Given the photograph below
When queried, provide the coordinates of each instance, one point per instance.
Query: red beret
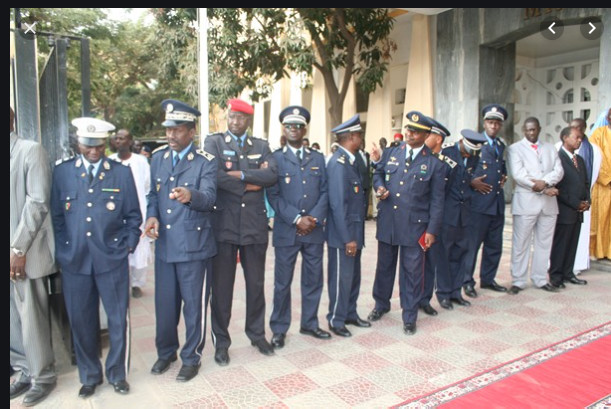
(398, 136)
(238, 105)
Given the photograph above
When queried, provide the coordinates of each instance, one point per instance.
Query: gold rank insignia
(341, 159)
(102, 175)
(78, 163)
(110, 206)
(106, 165)
(166, 155)
(190, 156)
(158, 186)
(83, 174)
(227, 138)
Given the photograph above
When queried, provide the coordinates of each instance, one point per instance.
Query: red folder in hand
(422, 241)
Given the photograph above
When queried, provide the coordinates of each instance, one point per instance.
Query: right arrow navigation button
(591, 28)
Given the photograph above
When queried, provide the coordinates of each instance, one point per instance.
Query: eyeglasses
(294, 126)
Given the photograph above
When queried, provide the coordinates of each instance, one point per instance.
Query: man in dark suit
(573, 199)
(487, 205)
(409, 181)
(300, 201)
(345, 229)
(180, 201)
(245, 167)
(96, 218)
(32, 261)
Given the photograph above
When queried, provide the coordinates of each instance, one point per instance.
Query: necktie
(90, 173)
(299, 155)
(575, 162)
(240, 143)
(409, 158)
(176, 160)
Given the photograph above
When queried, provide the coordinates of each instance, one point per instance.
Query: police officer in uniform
(183, 191)
(457, 215)
(300, 201)
(245, 167)
(96, 218)
(345, 228)
(446, 256)
(409, 181)
(487, 205)
(435, 267)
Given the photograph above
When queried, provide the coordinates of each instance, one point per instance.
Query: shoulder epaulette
(162, 147)
(501, 140)
(62, 160)
(447, 145)
(341, 159)
(205, 154)
(451, 162)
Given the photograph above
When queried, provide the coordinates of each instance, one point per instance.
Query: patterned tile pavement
(376, 367)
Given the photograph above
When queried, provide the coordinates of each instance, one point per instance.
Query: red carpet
(574, 373)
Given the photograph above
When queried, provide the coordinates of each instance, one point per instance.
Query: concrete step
(601, 265)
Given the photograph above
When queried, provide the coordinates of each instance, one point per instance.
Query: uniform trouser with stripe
(344, 283)
(435, 270)
(252, 258)
(488, 230)
(30, 331)
(411, 281)
(311, 285)
(185, 285)
(538, 229)
(82, 293)
(455, 250)
(386, 270)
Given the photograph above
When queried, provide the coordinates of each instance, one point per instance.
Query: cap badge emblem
(415, 118)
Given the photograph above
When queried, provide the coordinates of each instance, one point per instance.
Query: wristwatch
(18, 252)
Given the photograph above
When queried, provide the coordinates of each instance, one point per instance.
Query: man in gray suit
(536, 169)
(31, 254)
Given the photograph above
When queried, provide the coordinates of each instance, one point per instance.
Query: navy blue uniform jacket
(95, 223)
(185, 230)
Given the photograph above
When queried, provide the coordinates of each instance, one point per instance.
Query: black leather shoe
(187, 372)
(221, 356)
(358, 322)
(87, 390)
(18, 388)
(409, 328)
(121, 386)
(577, 281)
(470, 291)
(37, 393)
(376, 314)
(340, 331)
(446, 303)
(494, 287)
(549, 287)
(460, 301)
(162, 365)
(559, 286)
(278, 340)
(316, 333)
(428, 310)
(514, 290)
(263, 346)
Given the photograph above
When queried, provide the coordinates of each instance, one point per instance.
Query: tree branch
(346, 35)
